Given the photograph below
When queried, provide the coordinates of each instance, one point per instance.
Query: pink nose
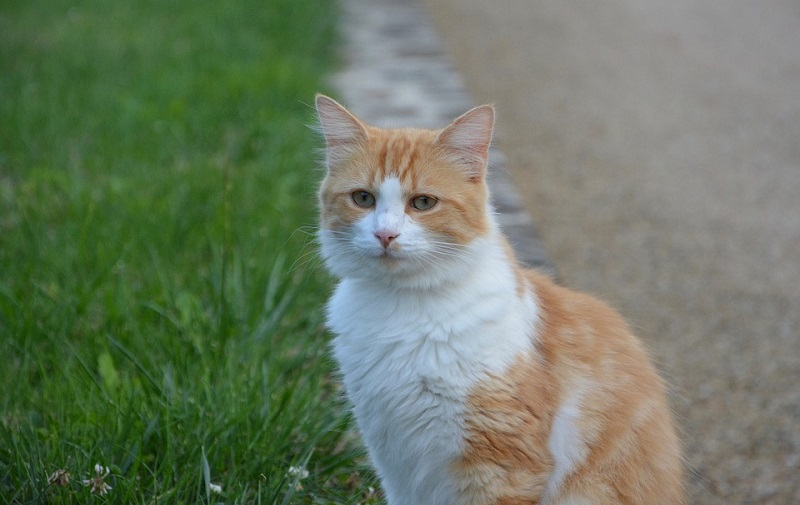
(385, 237)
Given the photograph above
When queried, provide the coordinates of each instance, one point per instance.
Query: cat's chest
(409, 362)
(434, 342)
(421, 354)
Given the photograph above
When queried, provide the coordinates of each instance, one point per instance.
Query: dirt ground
(657, 147)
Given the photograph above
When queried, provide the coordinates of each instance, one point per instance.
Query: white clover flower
(214, 488)
(298, 471)
(97, 484)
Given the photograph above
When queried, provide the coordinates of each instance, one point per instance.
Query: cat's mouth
(389, 258)
(391, 252)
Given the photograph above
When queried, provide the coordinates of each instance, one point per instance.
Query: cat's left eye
(423, 202)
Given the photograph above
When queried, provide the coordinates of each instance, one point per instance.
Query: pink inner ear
(339, 126)
(467, 139)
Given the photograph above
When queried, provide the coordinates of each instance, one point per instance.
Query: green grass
(160, 300)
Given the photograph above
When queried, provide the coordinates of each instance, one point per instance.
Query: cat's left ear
(466, 141)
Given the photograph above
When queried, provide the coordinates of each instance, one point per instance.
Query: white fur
(410, 352)
(390, 213)
(566, 442)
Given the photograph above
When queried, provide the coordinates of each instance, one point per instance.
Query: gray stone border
(396, 73)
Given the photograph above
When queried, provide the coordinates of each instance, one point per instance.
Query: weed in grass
(157, 315)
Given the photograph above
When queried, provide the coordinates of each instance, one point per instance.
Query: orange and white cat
(473, 380)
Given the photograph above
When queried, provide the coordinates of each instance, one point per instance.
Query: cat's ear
(343, 132)
(466, 141)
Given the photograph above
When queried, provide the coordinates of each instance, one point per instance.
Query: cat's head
(406, 206)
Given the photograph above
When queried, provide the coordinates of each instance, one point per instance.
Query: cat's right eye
(363, 199)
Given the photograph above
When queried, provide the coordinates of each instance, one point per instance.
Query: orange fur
(586, 375)
(416, 158)
(633, 451)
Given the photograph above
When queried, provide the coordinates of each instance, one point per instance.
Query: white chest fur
(410, 358)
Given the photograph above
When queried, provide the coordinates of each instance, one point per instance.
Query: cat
(473, 380)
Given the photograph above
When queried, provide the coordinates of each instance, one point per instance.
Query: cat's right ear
(343, 132)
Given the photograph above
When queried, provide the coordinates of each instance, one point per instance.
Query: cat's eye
(363, 199)
(423, 202)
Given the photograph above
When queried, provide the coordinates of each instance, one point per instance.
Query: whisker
(310, 231)
(305, 259)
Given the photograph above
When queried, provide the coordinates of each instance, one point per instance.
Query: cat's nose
(386, 237)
